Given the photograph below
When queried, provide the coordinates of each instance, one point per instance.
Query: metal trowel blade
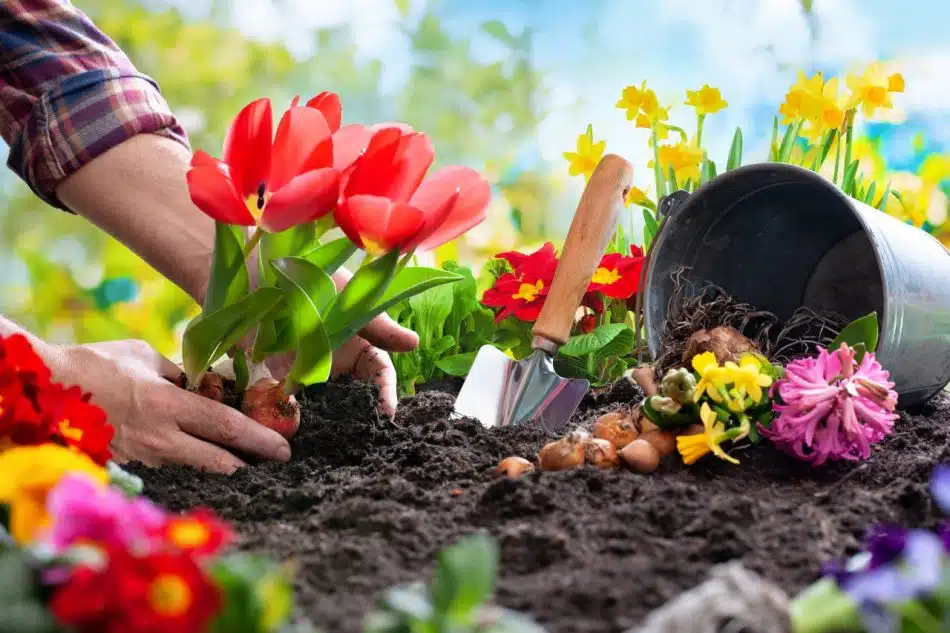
(501, 391)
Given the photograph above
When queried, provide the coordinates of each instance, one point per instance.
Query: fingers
(388, 335)
(358, 357)
(227, 427)
(201, 455)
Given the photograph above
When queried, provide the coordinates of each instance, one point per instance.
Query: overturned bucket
(782, 237)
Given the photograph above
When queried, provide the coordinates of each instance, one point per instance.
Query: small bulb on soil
(565, 453)
(663, 441)
(725, 342)
(211, 387)
(514, 467)
(616, 428)
(640, 456)
(600, 453)
(266, 403)
(645, 376)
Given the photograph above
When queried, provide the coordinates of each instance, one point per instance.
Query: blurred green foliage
(80, 285)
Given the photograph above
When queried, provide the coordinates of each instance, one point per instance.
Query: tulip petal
(404, 128)
(329, 104)
(384, 223)
(202, 158)
(247, 147)
(371, 173)
(302, 144)
(213, 193)
(472, 195)
(306, 198)
(348, 144)
(414, 156)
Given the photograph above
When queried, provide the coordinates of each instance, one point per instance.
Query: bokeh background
(504, 86)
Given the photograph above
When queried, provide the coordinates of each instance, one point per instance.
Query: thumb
(383, 332)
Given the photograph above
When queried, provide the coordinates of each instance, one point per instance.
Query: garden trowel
(500, 391)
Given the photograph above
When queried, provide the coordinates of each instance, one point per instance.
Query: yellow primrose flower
(685, 159)
(712, 377)
(747, 377)
(630, 100)
(706, 100)
(872, 88)
(588, 154)
(694, 447)
(28, 473)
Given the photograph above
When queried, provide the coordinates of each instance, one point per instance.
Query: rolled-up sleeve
(68, 94)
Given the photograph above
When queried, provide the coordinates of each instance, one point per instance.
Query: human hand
(157, 422)
(364, 356)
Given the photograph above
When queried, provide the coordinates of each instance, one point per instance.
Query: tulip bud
(679, 385)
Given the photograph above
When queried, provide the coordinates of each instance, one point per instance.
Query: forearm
(137, 192)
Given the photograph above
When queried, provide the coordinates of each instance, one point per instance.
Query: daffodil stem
(847, 142)
(699, 129)
(658, 171)
(834, 178)
(253, 242)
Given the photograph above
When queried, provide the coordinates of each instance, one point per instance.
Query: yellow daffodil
(712, 377)
(588, 154)
(631, 99)
(871, 89)
(800, 97)
(747, 377)
(694, 447)
(706, 100)
(684, 158)
(28, 473)
(637, 196)
(650, 111)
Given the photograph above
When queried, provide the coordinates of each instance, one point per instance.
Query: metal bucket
(780, 237)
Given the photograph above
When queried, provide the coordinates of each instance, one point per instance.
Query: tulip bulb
(640, 456)
(600, 453)
(514, 467)
(565, 453)
(211, 386)
(616, 428)
(266, 403)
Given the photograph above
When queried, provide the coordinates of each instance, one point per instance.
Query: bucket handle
(667, 206)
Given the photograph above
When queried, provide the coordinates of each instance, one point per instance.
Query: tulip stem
(252, 242)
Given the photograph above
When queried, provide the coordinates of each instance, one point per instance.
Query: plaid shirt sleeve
(68, 94)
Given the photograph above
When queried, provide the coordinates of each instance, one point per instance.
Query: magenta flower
(83, 513)
(831, 408)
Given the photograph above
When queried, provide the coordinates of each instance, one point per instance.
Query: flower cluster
(724, 398)
(521, 291)
(897, 583)
(104, 558)
(369, 180)
(35, 410)
(832, 407)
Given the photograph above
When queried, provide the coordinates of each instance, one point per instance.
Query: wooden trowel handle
(591, 229)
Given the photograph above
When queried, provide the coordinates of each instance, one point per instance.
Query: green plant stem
(699, 129)
(321, 226)
(658, 171)
(408, 257)
(849, 133)
(253, 242)
(834, 178)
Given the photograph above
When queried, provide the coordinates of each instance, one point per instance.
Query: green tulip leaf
(229, 279)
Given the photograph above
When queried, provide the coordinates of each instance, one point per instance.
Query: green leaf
(498, 30)
(847, 182)
(241, 372)
(209, 336)
(351, 310)
(672, 178)
(309, 291)
(229, 279)
(619, 346)
(131, 485)
(882, 205)
(825, 149)
(864, 331)
(650, 229)
(709, 171)
(773, 142)
(464, 577)
(332, 255)
(258, 595)
(592, 342)
(869, 196)
(735, 151)
(788, 142)
(293, 242)
(430, 310)
(458, 365)
(409, 282)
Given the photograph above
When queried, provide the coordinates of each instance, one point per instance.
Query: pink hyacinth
(82, 512)
(831, 408)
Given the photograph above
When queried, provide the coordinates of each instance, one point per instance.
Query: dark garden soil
(367, 503)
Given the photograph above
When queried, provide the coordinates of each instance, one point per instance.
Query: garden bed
(366, 504)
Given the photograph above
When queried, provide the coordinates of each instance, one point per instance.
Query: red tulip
(385, 203)
(274, 182)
